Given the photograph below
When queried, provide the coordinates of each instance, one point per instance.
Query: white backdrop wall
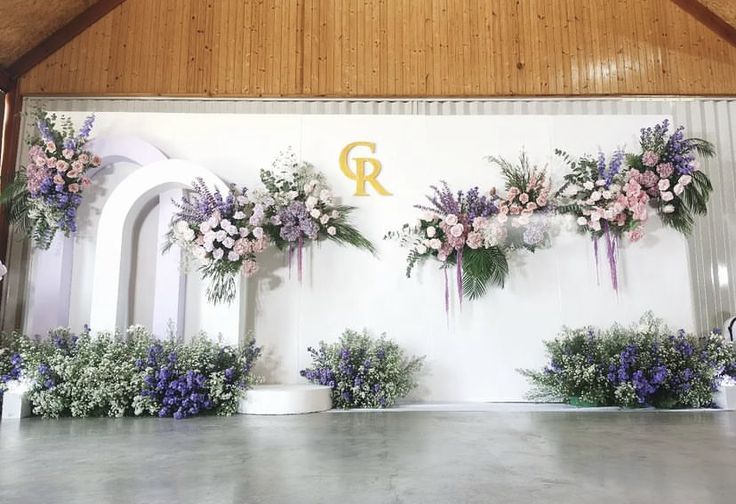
(474, 355)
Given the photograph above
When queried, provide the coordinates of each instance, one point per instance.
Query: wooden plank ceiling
(725, 9)
(26, 23)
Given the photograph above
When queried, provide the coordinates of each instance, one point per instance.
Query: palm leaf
(482, 268)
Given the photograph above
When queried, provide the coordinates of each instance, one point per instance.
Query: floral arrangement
(300, 208)
(667, 169)
(459, 229)
(223, 235)
(606, 200)
(130, 373)
(526, 209)
(642, 365)
(46, 193)
(363, 372)
(11, 362)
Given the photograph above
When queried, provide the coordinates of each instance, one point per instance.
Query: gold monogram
(360, 176)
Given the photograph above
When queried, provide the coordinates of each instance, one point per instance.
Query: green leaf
(482, 268)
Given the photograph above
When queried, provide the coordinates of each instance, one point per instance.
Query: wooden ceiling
(30, 30)
(725, 9)
(26, 23)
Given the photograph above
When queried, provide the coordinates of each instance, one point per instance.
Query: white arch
(51, 270)
(114, 224)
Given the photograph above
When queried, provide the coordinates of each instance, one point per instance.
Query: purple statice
(180, 395)
(477, 205)
(296, 223)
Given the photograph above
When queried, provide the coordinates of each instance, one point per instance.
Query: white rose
(292, 194)
(421, 249)
(218, 253)
(233, 256)
(685, 180)
(204, 227)
(663, 184)
(335, 214)
(232, 230)
(667, 196)
(332, 231)
(213, 221)
(228, 242)
(239, 215)
(188, 234)
(324, 219)
(615, 188)
(582, 221)
(600, 182)
(307, 188)
(242, 200)
(595, 196)
(311, 201)
(606, 194)
(457, 230)
(668, 209)
(502, 218)
(315, 213)
(208, 246)
(431, 232)
(244, 231)
(224, 223)
(678, 189)
(181, 226)
(435, 243)
(451, 220)
(220, 235)
(325, 194)
(258, 233)
(588, 185)
(276, 220)
(210, 236)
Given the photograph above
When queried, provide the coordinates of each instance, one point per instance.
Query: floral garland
(607, 201)
(299, 208)
(668, 170)
(46, 193)
(223, 234)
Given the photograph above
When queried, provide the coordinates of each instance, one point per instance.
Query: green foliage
(363, 372)
(482, 268)
(639, 365)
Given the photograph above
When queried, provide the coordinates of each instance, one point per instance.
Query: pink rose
(84, 158)
(635, 234)
(96, 161)
(649, 179)
(649, 158)
(457, 230)
(62, 165)
(531, 206)
(524, 198)
(58, 180)
(542, 201)
(665, 170)
(67, 153)
(514, 209)
(86, 181)
(474, 240)
(50, 146)
(73, 188)
(51, 162)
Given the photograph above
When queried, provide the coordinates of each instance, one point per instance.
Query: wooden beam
(8, 156)
(6, 83)
(709, 18)
(62, 36)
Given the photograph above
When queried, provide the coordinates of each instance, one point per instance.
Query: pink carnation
(249, 267)
(665, 170)
(649, 158)
(649, 179)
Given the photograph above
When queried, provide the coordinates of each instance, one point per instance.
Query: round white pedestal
(285, 400)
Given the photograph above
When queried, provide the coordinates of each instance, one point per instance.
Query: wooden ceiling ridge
(56, 41)
(701, 11)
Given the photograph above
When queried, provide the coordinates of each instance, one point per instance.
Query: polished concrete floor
(385, 457)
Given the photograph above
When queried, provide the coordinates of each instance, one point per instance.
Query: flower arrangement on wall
(46, 192)
(645, 364)
(222, 234)
(667, 169)
(606, 200)
(300, 208)
(131, 373)
(474, 232)
(363, 372)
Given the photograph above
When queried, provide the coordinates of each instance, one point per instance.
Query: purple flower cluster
(445, 202)
(608, 172)
(674, 149)
(180, 394)
(297, 223)
(16, 362)
(201, 204)
(47, 376)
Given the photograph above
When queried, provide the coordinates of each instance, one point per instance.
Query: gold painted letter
(360, 175)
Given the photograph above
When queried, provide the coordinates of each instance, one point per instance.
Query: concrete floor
(384, 457)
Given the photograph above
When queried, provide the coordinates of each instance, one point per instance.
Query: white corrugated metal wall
(712, 264)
